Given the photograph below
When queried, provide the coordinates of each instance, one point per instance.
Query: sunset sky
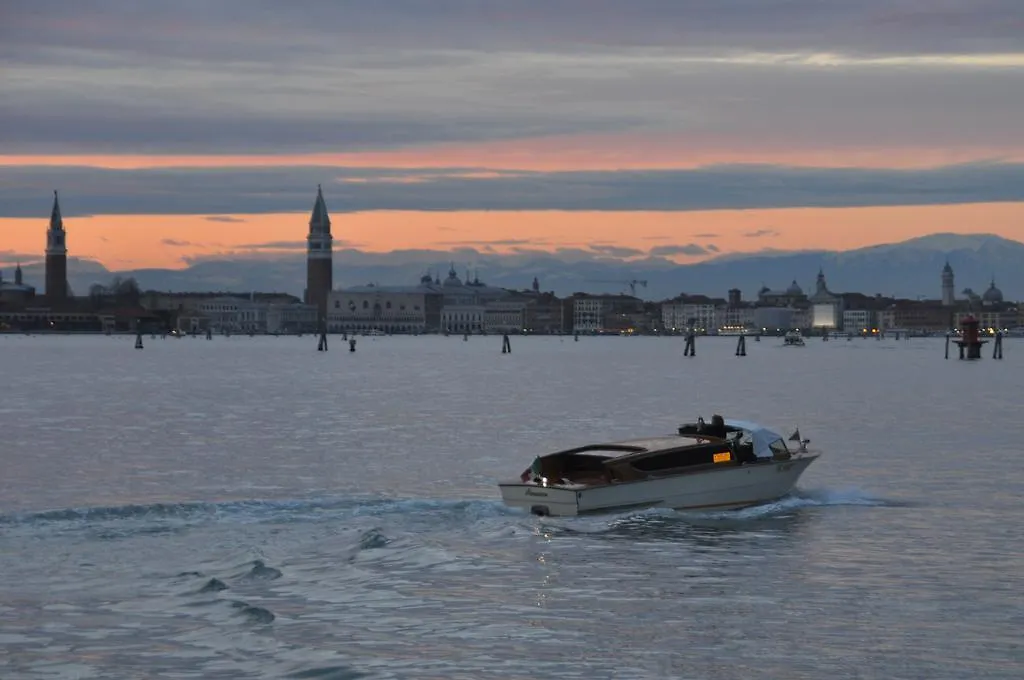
(177, 132)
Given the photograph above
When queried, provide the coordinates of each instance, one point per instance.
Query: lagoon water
(251, 508)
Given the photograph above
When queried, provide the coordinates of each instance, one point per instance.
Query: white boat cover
(761, 437)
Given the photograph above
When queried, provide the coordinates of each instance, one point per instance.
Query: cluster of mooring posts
(321, 345)
(970, 342)
(690, 344)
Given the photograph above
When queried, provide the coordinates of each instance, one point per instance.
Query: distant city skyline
(183, 132)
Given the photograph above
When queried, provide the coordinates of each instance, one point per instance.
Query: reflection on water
(269, 512)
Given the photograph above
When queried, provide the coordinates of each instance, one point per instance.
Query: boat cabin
(793, 338)
(697, 447)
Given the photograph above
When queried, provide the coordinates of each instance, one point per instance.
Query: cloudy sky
(686, 128)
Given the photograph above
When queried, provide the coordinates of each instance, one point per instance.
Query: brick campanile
(319, 257)
(56, 256)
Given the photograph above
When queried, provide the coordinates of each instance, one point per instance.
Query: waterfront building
(291, 317)
(222, 312)
(191, 322)
(736, 316)
(826, 307)
(782, 310)
(604, 313)
(241, 314)
(775, 319)
(389, 309)
(990, 310)
(802, 318)
(545, 314)
(790, 297)
(450, 306)
(16, 293)
(917, 315)
(698, 312)
(946, 313)
(505, 316)
(588, 313)
(858, 320)
(231, 314)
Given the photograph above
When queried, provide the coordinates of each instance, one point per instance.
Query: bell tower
(319, 257)
(56, 256)
(948, 294)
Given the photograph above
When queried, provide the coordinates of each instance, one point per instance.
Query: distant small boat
(725, 465)
(793, 339)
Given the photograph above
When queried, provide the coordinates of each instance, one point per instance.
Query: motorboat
(722, 465)
(793, 338)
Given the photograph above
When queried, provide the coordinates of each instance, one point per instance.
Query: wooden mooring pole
(321, 345)
(690, 348)
(741, 346)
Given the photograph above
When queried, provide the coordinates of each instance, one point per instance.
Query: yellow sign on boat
(723, 457)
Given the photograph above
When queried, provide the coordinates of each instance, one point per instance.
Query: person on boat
(717, 427)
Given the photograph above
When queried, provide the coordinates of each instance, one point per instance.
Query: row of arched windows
(366, 305)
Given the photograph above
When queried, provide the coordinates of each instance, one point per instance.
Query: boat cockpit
(697, 447)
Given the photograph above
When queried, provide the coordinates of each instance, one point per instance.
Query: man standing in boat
(717, 427)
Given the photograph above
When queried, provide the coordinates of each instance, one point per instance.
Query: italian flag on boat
(534, 470)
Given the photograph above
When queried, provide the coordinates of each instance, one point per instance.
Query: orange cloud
(145, 240)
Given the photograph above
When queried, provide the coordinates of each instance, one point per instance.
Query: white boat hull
(721, 489)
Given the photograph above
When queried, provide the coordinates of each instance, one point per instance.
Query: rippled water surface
(251, 508)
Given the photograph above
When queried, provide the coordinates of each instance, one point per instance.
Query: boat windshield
(763, 439)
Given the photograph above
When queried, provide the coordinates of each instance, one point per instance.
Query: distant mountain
(908, 269)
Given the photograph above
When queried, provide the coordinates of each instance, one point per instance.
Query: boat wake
(664, 523)
(161, 518)
(114, 522)
(801, 498)
(795, 502)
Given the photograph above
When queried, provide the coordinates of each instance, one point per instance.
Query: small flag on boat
(795, 437)
(534, 470)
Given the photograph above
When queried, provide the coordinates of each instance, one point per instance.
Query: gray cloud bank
(197, 28)
(246, 76)
(27, 191)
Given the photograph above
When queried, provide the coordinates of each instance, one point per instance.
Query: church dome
(453, 279)
(794, 289)
(993, 294)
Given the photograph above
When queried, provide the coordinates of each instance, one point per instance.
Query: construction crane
(632, 284)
